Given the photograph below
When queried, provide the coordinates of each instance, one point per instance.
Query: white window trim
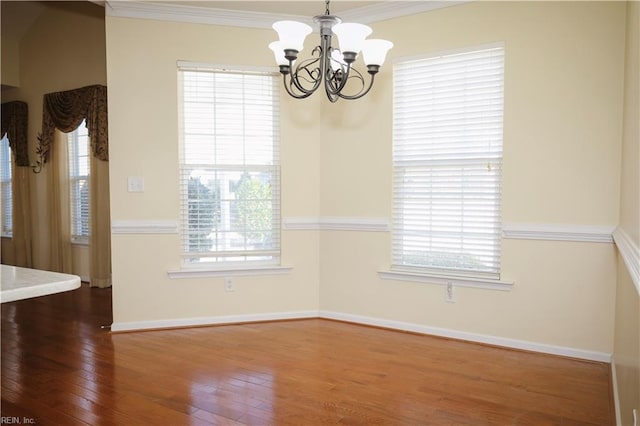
(428, 274)
(186, 273)
(204, 66)
(245, 268)
(435, 54)
(80, 241)
(437, 279)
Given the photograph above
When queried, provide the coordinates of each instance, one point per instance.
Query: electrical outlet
(450, 294)
(229, 285)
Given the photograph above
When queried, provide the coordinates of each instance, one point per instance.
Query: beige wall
(626, 354)
(563, 103)
(143, 126)
(64, 49)
(10, 61)
(630, 174)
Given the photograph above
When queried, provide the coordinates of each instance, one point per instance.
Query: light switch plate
(135, 184)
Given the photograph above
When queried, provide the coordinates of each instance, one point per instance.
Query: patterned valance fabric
(66, 110)
(14, 123)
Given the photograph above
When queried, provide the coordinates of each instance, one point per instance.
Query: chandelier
(329, 67)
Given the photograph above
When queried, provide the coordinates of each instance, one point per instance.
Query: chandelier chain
(326, 11)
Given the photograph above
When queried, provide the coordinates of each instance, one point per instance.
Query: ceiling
(19, 16)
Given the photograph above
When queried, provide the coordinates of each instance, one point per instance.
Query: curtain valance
(66, 110)
(14, 123)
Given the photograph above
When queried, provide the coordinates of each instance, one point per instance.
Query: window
(447, 158)
(5, 187)
(79, 169)
(229, 167)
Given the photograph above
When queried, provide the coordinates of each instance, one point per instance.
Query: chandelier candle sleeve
(329, 67)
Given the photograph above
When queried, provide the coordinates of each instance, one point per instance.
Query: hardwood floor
(60, 368)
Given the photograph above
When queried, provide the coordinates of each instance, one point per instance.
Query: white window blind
(229, 167)
(79, 169)
(447, 159)
(5, 187)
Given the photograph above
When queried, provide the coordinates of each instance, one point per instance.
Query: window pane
(79, 170)
(229, 167)
(5, 187)
(447, 159)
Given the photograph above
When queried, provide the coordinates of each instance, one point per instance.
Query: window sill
(426, 278)
(229, 272)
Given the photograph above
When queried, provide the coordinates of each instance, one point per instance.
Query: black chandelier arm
(306, 71)
(332, 97)
(328, 74)
(336, 80)
(289, 89)
(351, 74)
(314, 74)
(362, 92)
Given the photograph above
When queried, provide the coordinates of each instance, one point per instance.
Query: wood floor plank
(60, 367)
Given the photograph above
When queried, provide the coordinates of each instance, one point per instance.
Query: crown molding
(395, 9)
(214, 16)
(194, 14)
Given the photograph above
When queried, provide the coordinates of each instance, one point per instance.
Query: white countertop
(23, 283)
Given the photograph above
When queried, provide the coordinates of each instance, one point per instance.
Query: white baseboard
(471, 337)
(364, 320)
(204, 321)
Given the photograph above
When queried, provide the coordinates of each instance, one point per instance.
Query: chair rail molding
(630, 253)
(559, 232)
(333, 223)
(144, 227)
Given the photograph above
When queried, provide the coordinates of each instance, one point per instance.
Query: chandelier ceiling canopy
(329, 66)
